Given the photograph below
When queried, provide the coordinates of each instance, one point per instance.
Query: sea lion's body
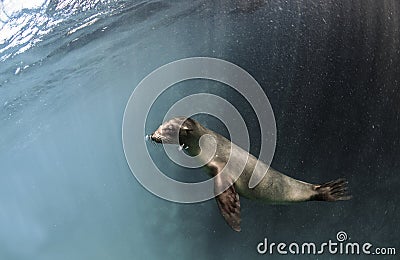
(274, 187)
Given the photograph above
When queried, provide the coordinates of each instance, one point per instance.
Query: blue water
(331, 70)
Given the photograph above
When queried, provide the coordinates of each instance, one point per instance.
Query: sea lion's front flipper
(228, 202)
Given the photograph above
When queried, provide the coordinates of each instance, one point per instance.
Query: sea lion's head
(174, 131)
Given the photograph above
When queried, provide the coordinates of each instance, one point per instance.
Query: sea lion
(275, 187)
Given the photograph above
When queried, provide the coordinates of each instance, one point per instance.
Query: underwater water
(331, 70)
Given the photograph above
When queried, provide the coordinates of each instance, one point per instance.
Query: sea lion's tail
(332, 191)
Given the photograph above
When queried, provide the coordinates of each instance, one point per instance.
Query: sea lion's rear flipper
(332, 191)
(228, 203)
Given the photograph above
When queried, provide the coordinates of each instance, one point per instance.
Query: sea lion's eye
(169, 129)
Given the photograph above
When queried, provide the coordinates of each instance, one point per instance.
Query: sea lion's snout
(156, 137)
(167, 133)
